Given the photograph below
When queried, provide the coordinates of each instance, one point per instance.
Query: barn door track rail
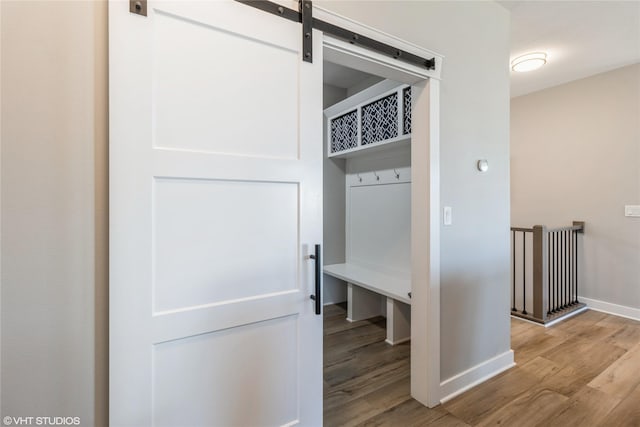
(304, 15)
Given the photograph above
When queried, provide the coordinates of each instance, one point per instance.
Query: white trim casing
(425, 243)
(610, 308)
(470, 378)
(357, 57)
(1, 411)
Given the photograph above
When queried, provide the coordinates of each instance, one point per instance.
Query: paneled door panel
(202, 250)
(186, 396)
(215, 205)
(202, 105)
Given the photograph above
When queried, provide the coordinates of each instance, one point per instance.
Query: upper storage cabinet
(377, 118)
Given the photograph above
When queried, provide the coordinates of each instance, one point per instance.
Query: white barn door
(215, 205)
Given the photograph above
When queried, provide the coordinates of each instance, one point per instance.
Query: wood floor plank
(578, 323)
(366, 360)
(597, 333)
(626, 413)
(527, 410)
(372, 354)
(339, 346)
(625, 337)
(367, 383)
(359, 410)
(519, 326)
(588, 357)
(477, 403)
(446, 421)
(616, 322)
(409, 413)
(334, 309)
(565, 380)
(621, 377)
(541, 368)
(534, 344)
(588, 407)
(334, 321)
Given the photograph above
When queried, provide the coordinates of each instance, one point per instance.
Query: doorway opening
(419, 156)
(367, 242)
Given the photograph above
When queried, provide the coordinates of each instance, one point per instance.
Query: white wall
(333, 209)
(54, 215)
(474, 38)
(575, 155)
(379, 212)
(364, 84)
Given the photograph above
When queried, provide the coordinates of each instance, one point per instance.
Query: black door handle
(317, 297)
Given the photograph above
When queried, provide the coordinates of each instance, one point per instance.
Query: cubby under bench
(366, 287)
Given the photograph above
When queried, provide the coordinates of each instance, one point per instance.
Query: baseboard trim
(562, 319)
(398, 341)
(333, 303)
(470, 378)
(553, 322)
(610, 308)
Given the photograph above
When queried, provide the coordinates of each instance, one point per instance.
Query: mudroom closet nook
(368, 153)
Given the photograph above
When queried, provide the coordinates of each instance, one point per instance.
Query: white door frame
(425, 193)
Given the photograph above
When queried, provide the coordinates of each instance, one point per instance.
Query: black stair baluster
(576, 255)
(548, 274)
(557, 269)
(570, 272)
(573, 264)
(566, 270)
(524, 271)
(553, 270)
(513, 251)
(563, 259)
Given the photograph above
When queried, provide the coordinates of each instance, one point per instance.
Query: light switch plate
(632, 210)
(447, 215)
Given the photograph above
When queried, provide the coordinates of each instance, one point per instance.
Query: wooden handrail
(569, 228)
(524, 230)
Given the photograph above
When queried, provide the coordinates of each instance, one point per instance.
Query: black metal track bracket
(305, 16)
(139, 7)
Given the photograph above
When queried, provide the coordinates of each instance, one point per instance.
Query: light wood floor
(584, 371)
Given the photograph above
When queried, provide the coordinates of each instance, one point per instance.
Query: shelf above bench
(377, 147)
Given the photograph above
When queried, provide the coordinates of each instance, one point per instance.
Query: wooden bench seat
(364, 290)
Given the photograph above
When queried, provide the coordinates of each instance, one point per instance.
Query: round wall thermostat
(483, 165)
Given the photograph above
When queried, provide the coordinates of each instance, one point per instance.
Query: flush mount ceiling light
(529, 62)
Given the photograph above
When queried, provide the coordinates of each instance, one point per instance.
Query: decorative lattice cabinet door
(380, 120)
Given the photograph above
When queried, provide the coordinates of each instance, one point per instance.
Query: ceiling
(342, 77)
(581, 38)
